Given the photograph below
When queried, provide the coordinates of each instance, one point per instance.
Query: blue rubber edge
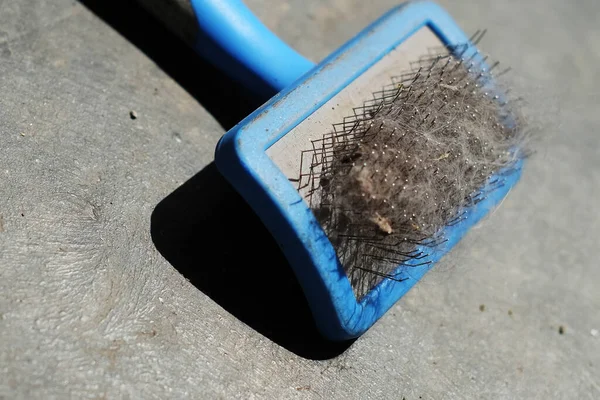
(241, 158)
(237, 42)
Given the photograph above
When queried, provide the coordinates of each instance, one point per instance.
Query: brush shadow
(210, 235)
(225, 100)
(204, 228)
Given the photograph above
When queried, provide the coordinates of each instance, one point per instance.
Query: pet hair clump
(385, 182)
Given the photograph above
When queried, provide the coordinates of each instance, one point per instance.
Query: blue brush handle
(237, 42)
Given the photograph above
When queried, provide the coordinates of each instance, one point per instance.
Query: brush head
(364, 196)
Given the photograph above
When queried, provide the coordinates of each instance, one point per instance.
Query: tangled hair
(435, 141)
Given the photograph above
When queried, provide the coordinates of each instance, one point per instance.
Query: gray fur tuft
(407, 163)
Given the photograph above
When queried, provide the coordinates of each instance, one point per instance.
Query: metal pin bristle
(415, 150)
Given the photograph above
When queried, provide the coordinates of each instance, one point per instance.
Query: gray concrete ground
(96, 239)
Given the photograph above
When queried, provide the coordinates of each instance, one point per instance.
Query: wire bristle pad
(386, 180)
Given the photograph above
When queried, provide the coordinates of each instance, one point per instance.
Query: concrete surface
(103, 217)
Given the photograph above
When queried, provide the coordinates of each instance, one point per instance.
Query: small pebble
(132, 114)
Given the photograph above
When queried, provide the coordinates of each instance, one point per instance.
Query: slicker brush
(369, 166)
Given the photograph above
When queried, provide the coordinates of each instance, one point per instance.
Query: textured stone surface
(97, 231)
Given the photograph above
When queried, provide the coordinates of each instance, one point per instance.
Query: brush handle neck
(236, 41)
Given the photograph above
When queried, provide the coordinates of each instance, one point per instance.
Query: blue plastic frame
(241, 157)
